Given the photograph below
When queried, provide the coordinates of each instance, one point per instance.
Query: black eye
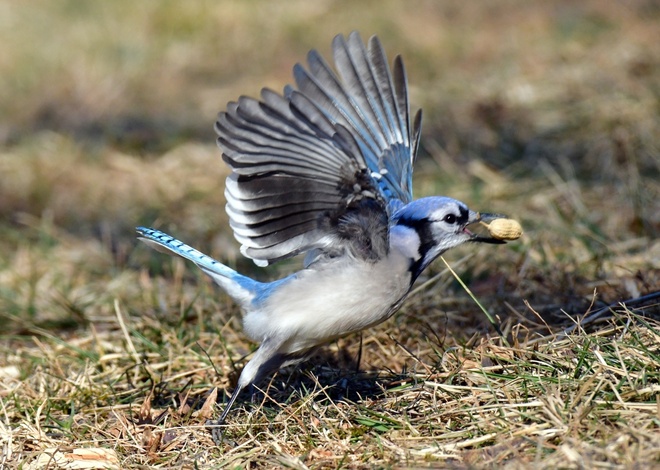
(450, 219)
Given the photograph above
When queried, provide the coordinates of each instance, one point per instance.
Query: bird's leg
(216, 425)
(265, 360)
(358, 359)
(230, 403)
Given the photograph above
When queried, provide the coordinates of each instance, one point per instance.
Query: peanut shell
(505, 229)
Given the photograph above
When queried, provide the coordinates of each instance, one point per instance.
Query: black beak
(488, 217)
(476, 217)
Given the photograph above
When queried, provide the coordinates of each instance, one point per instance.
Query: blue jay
(325, 169)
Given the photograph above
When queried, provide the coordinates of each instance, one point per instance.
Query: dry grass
(543, 110)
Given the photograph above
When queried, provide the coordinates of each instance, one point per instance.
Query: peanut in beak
(504, 229)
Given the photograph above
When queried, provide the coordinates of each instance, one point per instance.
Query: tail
(240, 288)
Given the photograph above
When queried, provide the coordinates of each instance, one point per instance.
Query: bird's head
(437, 224)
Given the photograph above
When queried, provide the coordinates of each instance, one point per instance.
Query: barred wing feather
(319, 166)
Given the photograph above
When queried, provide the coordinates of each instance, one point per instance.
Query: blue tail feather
(241, 288)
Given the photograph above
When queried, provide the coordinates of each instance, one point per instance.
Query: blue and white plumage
(325, 169)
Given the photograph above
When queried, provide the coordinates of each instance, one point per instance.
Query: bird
(324, 169)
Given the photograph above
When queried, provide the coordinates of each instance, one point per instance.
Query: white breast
(321, 304)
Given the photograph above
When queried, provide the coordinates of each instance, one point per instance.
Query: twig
(630, 303)
(483, 309)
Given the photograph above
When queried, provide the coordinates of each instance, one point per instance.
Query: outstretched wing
(372, 103)
(319, 167)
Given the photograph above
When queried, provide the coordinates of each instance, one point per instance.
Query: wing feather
(321, 166)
